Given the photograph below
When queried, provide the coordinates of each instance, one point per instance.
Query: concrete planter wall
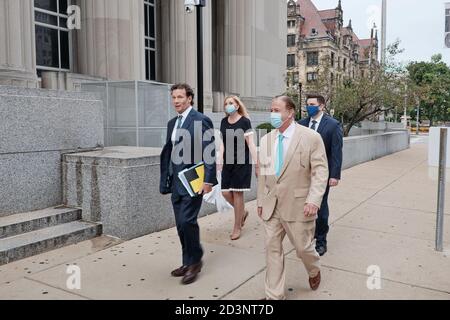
(36, 128)
(119, 186)
(361, 149)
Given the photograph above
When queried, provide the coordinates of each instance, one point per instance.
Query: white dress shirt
(318, 122)
(185, 115)
(288, 133)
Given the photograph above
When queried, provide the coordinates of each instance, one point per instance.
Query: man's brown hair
(320, 98)
(290, 105)
(186, 87)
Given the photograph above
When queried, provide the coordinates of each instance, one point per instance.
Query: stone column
(238, 47)
(246, 63)
(17, 43)
(179, 46)
(111, 40)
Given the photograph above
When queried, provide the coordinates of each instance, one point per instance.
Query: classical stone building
(319, 42)
(145, 40)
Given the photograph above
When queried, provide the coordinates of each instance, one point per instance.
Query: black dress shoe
(180, 272)
(321, 250)
(192, 273)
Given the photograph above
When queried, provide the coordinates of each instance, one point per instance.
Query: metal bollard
(441, 189)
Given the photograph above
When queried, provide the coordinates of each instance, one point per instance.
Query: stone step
(30, 221)
(42, 240)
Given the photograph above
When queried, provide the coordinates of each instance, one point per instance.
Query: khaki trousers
(301, 235)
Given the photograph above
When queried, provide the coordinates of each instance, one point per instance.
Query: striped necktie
(177, 133)
(177, 137)
(180, 119)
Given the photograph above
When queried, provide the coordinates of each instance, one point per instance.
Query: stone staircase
(27, 234)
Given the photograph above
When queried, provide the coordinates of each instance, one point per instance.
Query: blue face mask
(312, 111)
(230, 109)
(275, 120)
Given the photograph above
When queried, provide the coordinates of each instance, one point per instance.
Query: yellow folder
(193, 178)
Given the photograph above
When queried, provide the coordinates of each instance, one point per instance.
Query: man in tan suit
(293, 175)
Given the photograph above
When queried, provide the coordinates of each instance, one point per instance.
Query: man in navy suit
(331, 132)
(190, 140)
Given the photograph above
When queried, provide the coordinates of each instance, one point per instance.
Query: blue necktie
(314, 123)
(279, 164)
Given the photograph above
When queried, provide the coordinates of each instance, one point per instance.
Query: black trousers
(322, 227)
(186, 211)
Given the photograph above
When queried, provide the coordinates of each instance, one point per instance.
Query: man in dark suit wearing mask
(190, 140)
(332, 136)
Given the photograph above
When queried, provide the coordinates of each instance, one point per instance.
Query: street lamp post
(189, 6)
(417, 124)
(406, 105)
(383, 31)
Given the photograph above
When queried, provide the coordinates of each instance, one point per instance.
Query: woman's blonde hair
(242, 109)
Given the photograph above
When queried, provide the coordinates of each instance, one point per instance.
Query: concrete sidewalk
(382, 214)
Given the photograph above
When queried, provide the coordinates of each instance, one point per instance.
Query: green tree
(431, 83)
(364, 97)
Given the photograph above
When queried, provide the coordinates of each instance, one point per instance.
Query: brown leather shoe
(192, 273)
(314, 282)
(180, 272)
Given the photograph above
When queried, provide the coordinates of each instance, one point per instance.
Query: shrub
(265, 126)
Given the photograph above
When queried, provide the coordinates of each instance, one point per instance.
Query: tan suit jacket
(304, 176)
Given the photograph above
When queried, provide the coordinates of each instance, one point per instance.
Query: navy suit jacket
(196, 124)
(332, 136)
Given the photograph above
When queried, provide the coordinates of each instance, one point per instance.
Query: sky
(419, 24)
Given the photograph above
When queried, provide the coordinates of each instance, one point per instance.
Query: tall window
(291, 40)
(332, 59)
(291, 23)
(447, 18)
(291, 60)
(447, 25)
(311, 76)
(289, 79)
(312, 58)
(150, 39)
(52, 34)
